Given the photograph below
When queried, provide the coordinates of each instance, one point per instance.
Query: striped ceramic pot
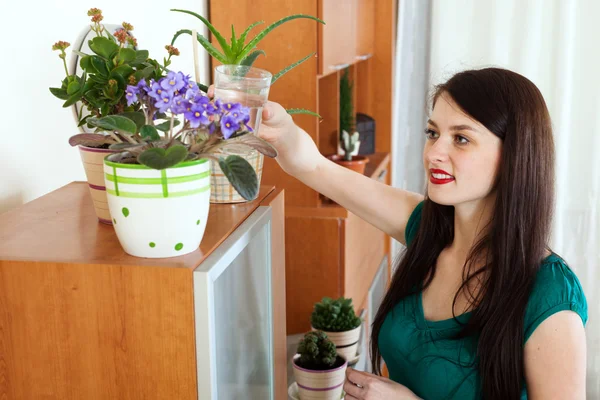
(319, 385)
(93, 163)
(346, 343)
(158, 213)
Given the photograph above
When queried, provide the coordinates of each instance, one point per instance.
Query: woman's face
(461, 156)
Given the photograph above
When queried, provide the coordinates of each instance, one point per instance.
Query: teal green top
(420, 355)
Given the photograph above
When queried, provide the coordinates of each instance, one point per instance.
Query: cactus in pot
(318, 369)
(341, 324)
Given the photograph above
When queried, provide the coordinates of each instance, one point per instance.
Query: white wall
(36, 157)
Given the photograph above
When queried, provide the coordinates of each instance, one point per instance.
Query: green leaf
(249, 60)
(114, 123)
(289, 68)
(125, 55)
(83, 120)
(222, 41)
(241, 175)
(205, 43)
(233, 42)
(60, 93)
(202, 87)
(148, 131)
(99, 79)
(250, 46)
(159, 158)
(293, 111)
(137, 117)
(86, 64)
(142, 55)
(123, 70)
(73, 88)
(100, 65)
(165, 126)
(242, 40)
(145, 73)
(102, 46)
(73, 99)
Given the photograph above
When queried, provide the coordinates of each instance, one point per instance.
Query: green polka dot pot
(158, 213)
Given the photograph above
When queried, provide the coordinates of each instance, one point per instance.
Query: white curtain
(554, 43)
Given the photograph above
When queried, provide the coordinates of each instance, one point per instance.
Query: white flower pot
(346, 343)
(319, 385)
(158, 213)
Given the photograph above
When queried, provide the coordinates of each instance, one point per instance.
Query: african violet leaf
(114, 123)
(241, 175)
(158, 158)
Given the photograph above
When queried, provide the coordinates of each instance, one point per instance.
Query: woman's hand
(365, 386)
(297, 152)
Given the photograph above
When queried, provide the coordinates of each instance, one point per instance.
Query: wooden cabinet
(337, 39)
(329, 251)
(80, 319)
(365, 29)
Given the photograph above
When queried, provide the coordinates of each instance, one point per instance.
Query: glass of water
(248, 86)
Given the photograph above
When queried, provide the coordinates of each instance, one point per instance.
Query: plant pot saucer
(353, 360)
(293, 392)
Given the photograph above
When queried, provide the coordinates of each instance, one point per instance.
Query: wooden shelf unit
(329, 251)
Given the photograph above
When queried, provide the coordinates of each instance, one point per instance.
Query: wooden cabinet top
(62, 227)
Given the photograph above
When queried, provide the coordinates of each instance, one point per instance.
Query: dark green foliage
(334, 315)
(346, 114)
(316, 351)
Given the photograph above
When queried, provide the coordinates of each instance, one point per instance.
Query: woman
(479, 307)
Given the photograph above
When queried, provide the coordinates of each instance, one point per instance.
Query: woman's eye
(430, 133)
(461, 139)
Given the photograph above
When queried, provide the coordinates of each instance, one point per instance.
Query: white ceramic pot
(319, 385)
(158, 213)
(346, 343)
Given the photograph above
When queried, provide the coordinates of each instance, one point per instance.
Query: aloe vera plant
(238, 52)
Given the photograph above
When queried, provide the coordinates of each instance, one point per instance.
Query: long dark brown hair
(512, 108)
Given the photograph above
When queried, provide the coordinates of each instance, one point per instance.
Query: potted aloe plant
(341, 324)
(319, 371)
(348, 144)
(238, 79)
(99, 91)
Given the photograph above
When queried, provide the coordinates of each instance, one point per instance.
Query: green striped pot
(158, 213)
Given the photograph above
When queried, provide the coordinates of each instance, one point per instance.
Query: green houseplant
(348, 143)
(238, 56)
(158, 184)
(318, 369)
(341, 324)
(155, 176)
(100, 91)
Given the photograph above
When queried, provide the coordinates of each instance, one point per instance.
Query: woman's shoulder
(556, 288)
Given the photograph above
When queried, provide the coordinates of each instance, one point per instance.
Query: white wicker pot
(346, 343)
(158, 213)
(319, 385)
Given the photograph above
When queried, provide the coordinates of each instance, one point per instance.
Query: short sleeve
(556, 289)
(412, 226)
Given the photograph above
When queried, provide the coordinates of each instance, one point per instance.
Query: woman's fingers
(211, 91)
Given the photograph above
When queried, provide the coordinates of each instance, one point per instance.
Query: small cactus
(334, 315)
(349, 144)
(316, 351)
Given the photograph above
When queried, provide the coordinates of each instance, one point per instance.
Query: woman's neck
(471, 224)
